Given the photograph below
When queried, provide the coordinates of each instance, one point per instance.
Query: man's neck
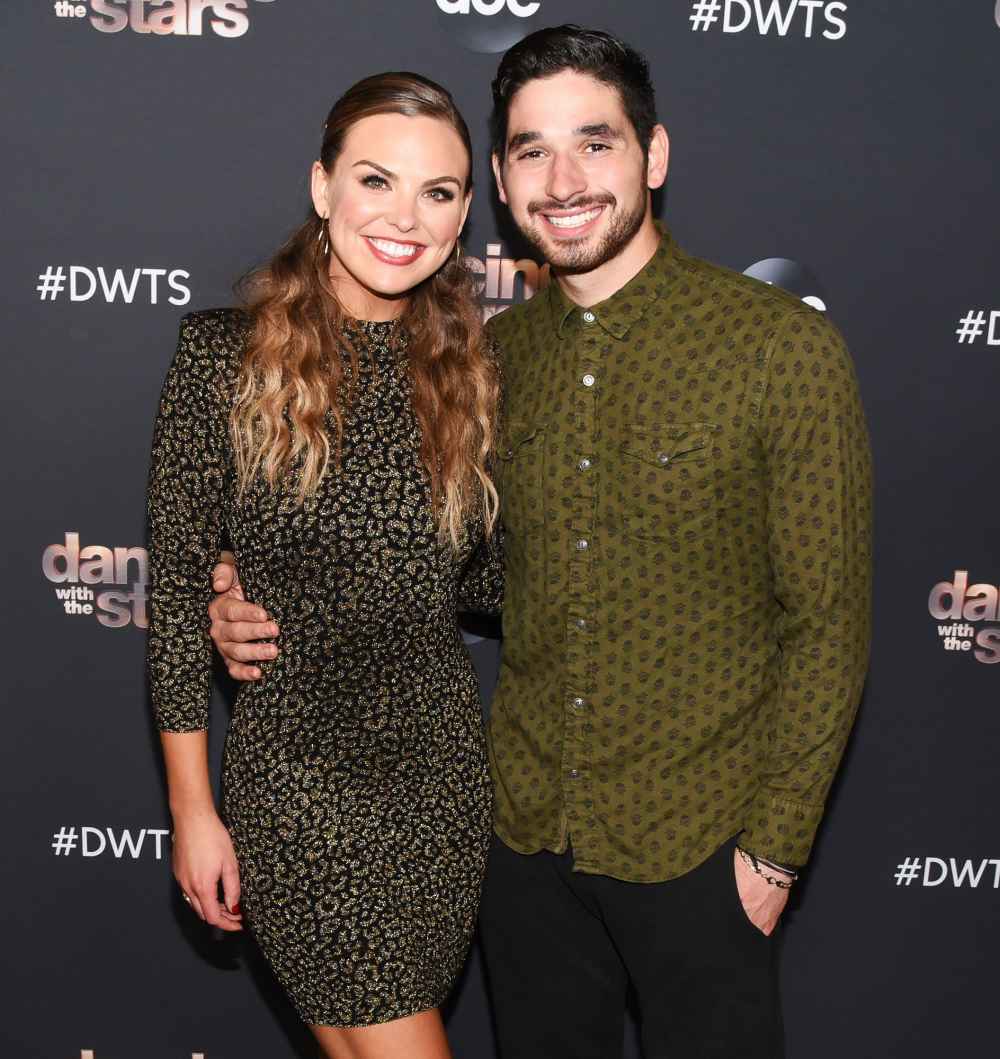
(590, 288)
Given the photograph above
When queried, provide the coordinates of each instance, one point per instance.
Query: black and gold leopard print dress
(355, 778)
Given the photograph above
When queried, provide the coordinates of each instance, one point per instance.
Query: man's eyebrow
(598, 128)
(522, 139)
(601, 128)
(392, 176)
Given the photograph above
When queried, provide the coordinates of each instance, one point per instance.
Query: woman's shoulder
(216, 330)
(212, 342)
(206, 364)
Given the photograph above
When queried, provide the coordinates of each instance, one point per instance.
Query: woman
(339, 431)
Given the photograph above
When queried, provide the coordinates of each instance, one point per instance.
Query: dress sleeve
(185, 510)
(480, 588)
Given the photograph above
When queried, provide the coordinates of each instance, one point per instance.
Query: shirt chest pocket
(521, 485)
(667, 479)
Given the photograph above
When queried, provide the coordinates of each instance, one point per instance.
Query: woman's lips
(394, 252)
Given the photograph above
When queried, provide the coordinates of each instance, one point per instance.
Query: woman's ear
(465, 210)
(319, 184)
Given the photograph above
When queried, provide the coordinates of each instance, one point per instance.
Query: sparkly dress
(355, 778)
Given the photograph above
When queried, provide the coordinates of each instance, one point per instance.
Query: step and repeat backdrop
(157, 149)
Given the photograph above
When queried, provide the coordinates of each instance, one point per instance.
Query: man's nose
(566, 178)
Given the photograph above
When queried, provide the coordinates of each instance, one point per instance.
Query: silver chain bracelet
(755, 866)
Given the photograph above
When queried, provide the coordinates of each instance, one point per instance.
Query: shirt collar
(628, 304)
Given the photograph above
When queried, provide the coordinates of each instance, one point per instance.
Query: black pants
(561, 949)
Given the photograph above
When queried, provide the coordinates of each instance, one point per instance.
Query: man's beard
(571, 258)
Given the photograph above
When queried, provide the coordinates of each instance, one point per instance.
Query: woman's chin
(394, 286)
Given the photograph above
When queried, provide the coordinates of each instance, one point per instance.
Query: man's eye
(441, 195)
(374, 181)
(530, 155)
(600, 147)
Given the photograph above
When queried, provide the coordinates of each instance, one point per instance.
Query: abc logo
(486, 25)
(793, 277)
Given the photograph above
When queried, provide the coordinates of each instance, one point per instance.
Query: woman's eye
(374, 181)
(441, 195)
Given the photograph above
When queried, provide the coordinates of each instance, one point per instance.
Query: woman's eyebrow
(392, 176)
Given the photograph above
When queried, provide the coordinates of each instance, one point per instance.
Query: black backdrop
(856, 140)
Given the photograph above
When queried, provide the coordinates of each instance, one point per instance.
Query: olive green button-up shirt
(685, 483)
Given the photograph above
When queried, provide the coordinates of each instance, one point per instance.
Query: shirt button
(578, 703)
(584, 464)
(589, 317)
(588, 379)
(574, 774)
(581, 623)
(663, 458)
(582, 544)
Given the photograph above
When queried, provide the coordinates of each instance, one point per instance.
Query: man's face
(574, 176)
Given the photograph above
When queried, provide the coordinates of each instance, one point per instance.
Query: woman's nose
(403, 214)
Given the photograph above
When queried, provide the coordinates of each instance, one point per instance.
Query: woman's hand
(202, 856)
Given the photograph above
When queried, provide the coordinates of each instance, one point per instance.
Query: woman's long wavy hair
(293, 372)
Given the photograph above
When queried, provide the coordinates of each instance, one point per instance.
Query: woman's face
(396, 202)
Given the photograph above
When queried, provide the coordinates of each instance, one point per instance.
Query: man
(685, 480)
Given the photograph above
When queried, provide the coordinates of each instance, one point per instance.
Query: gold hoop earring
(458, 252)
(323, 238)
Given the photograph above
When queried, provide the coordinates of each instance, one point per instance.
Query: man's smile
(575, 221)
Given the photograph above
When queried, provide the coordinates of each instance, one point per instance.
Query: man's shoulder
(711, 286)
(766, 315)
(517, 321)
(737, 290)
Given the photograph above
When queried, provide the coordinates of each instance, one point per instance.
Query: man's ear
(659, 157)
(498, 177)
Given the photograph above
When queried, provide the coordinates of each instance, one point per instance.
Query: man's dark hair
(547, 52)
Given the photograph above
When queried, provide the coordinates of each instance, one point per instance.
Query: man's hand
(762, 901)
(236, 624)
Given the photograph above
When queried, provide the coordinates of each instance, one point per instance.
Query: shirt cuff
(780, 830)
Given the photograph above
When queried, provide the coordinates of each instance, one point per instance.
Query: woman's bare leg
(419, 1036)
